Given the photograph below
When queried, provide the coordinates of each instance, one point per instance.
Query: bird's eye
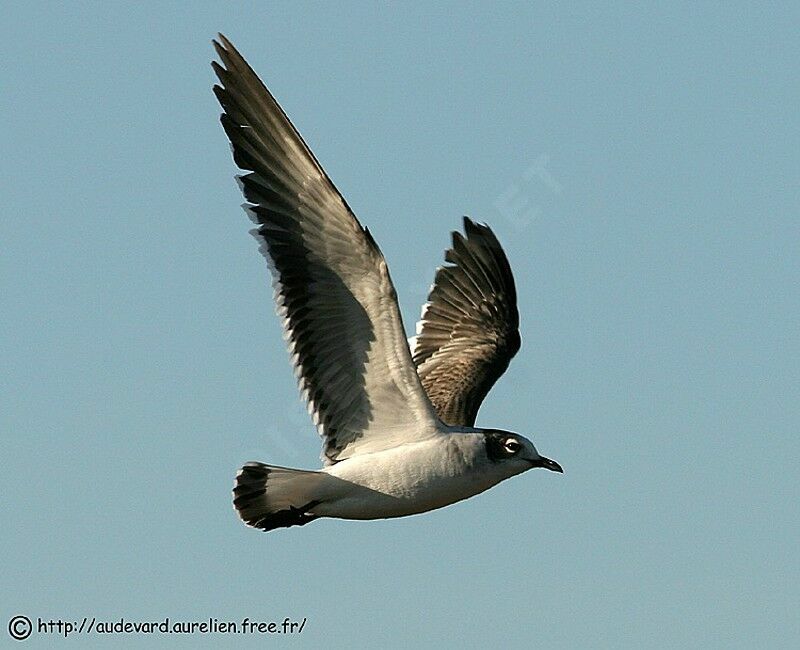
(512, 446)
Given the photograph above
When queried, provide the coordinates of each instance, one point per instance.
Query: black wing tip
(470, 225)
(456, 238)
(221, 46)
(230, 56)
(476, 274)
(221, 42)
(481, 241)
(477, 229)
(475, 232)
(478, 255)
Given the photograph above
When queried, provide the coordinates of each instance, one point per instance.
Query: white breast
(411, 478)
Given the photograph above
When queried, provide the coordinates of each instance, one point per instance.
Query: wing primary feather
(331, 285)
(469, 328)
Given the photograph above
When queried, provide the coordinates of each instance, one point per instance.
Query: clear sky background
(641, 167)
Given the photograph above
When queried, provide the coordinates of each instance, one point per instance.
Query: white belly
(407, 480)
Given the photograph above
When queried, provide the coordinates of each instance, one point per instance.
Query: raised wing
(332, 286)
(469, 328)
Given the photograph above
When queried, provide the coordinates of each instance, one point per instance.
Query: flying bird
(397, 428)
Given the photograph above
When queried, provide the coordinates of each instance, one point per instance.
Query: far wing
(469, 328)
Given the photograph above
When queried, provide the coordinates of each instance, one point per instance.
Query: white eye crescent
(512, 445)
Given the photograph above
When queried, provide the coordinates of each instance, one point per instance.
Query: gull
(398, 434)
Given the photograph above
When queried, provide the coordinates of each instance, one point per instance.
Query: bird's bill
(552, 465)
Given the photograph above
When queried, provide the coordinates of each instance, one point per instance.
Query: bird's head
(515, 452)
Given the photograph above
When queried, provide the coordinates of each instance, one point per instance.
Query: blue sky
(640, 166)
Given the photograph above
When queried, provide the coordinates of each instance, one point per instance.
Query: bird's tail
(268, 497)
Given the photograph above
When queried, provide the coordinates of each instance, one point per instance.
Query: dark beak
(552, 465)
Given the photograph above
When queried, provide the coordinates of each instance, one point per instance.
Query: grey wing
(469, 328)
(332, 286)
